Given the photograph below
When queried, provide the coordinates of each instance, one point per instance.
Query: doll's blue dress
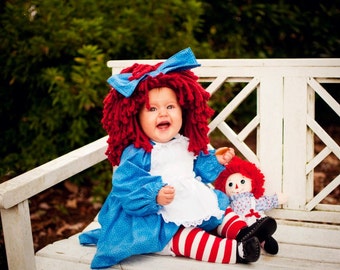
(130, 218)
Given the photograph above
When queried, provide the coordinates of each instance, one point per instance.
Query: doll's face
(163, 120)
(237, 183)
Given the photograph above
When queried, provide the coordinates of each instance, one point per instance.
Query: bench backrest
(284, 124)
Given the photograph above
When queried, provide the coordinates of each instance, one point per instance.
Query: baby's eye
(152, 109)
(230, 184)
(170, 106)
(243, 181)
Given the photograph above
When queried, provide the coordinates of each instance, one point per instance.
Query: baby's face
(237, 183)
(163, 119)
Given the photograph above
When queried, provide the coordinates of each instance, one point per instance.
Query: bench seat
(68, 254)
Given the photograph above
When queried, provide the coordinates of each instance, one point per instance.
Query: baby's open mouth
(163, 124)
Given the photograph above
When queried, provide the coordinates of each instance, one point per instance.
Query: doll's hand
(282, 198)
(224, 155)
(165, 195)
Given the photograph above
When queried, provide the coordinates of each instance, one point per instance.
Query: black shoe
(262, 228)
(270, 246)
(251, 251)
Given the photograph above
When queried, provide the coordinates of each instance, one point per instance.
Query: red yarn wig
(247, 169)
(120, 113)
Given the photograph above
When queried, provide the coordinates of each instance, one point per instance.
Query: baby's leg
(199, 245)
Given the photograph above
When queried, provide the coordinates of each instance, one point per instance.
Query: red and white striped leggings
(197, 244)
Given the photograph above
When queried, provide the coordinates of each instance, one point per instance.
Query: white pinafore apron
(194, 201)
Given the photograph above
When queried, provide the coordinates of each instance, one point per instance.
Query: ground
(61, 212)
(58, 213)
(66, 209)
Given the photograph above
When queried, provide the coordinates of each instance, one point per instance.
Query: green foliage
(151, 29)
(262, 28)
(74, 95)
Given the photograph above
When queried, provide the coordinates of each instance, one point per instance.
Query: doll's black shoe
(248, 250)
(262, 228)
(270, 245)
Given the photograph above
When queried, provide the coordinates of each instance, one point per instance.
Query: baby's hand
(165, 195)
(224, 155)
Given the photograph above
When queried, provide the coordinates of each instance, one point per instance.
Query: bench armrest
(27, 185)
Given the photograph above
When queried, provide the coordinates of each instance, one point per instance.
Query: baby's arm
(165, 195)
(133, 185)
(224, 155)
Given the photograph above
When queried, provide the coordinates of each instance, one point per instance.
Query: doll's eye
(243, 181)
(230, 184)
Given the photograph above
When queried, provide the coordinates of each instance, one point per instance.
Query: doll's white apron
(194, 201)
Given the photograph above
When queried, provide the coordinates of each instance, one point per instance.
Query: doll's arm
(268, 202)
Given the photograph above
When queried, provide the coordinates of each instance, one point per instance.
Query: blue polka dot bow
(126, 83)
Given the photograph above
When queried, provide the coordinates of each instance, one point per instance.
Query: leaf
(71, 187)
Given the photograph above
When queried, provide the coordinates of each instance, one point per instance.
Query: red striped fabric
(200, 245)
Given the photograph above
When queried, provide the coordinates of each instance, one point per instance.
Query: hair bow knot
(140, 71)
(126, 83)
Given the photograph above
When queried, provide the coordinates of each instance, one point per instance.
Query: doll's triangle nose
(236, 186)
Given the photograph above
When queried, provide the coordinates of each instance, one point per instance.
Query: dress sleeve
(266, 202)
(133, 186)
(207, 167)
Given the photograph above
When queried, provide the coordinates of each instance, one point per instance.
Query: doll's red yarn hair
(247, 169)
(120, 114)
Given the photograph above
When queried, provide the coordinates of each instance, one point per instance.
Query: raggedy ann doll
(243, 182)
(156, 117)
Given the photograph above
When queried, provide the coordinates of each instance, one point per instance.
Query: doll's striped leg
(197, 244)
(231, 225)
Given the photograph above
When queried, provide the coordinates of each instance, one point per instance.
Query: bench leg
(16, 225)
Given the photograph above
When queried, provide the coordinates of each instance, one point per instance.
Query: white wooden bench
(308, 231)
